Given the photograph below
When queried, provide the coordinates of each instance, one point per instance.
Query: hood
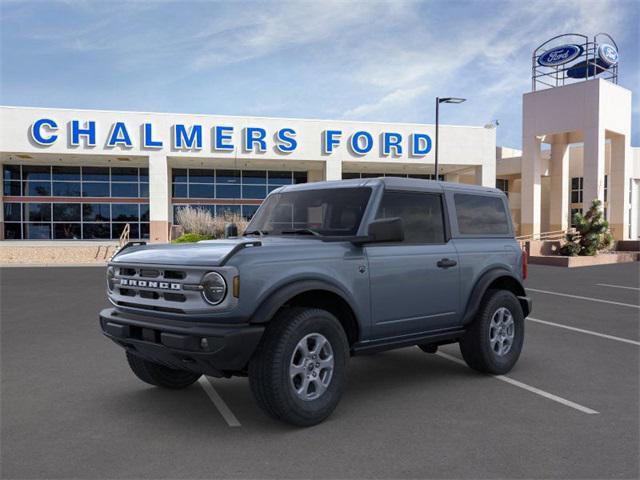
(206, 253)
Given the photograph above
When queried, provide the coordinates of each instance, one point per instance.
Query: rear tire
(298, 372)
(159, 375)
(494, 340)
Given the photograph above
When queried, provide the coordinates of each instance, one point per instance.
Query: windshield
(326, 211)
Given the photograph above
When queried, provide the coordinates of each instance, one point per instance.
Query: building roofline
(18, 107)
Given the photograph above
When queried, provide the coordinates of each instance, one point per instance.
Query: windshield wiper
(301, 231)
(255, 232)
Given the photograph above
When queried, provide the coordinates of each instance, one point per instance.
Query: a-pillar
(559, 207)
(593, 167)
(618, 188)
(159, 198)
(531, 186)
(332, 169)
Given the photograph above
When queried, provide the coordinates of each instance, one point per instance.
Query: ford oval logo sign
(608, 54)
(560, 55)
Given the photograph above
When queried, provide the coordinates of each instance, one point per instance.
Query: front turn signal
(236, 286)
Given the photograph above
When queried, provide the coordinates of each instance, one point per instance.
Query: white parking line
(617, 286)
(589, 332)
(524, 386)
(584, 298)
(217, 400)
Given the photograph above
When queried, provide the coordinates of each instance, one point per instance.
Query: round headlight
(111, 273)
(214, 288)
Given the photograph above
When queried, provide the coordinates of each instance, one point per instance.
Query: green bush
(192, 238)
(591, 235)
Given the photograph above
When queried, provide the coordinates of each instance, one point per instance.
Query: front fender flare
(276, 299)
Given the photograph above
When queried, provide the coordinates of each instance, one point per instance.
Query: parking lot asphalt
(70, 407)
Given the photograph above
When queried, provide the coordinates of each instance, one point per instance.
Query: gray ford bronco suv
(325, 271)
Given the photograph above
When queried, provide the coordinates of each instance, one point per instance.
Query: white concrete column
(593, 166)
(486, 174)
(559, 201)
(618, 188)
(531, 186)
(159, 197)
(332, 169)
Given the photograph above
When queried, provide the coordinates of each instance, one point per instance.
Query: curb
(52, 265)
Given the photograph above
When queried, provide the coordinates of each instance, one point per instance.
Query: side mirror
(230, 230)
(386, 230)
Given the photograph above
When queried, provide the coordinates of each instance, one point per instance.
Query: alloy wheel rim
(501, 331)
(311, 367)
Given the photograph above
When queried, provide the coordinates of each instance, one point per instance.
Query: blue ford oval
(560, 55)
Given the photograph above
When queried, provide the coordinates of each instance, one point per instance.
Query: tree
(591, 235)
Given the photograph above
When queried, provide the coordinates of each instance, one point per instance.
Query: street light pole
(438, 102)
(435, 177)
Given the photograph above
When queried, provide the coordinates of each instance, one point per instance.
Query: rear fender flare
(482, 285)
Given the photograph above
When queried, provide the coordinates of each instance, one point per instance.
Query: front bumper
(179, 344)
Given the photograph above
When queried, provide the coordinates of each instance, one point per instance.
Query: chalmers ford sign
(222, 138)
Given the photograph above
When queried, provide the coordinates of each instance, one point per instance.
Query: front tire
(159, 375)
(298, 372)
(493, 342)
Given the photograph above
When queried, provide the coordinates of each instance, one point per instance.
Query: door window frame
(443, 211)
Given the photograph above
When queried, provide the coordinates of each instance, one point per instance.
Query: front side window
(328, 212)
(421, 215)
(481, 215)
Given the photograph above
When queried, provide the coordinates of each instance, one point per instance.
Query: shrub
(201, 222)
(192, 238)
(591, 235)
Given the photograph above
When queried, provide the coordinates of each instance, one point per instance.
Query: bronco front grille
(150, 275)
(170, 289)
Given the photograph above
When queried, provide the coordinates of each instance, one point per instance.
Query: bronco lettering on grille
(129, 282)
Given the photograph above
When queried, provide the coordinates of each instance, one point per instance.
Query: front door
(415, 283)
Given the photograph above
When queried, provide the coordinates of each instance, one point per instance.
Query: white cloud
(488, 55)
(361, 60)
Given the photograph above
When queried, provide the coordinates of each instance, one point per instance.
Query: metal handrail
(544, 236)
(550, 235)
(124, 236)
(531, 236)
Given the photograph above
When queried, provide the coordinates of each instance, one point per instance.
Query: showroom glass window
(350, 175)
(208, 188)
(503, 184)
(77, 202)
(576, 189)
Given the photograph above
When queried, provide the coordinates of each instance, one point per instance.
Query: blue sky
(367, 60)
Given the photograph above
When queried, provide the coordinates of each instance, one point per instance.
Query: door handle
(446, 263)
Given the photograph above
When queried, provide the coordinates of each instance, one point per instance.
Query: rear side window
(481, 215)
(421, 215)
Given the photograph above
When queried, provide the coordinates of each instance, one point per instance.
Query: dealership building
(86, 174)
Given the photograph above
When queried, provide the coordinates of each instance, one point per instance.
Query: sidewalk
(55, 253)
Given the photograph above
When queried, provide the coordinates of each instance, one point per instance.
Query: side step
(439, 337)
